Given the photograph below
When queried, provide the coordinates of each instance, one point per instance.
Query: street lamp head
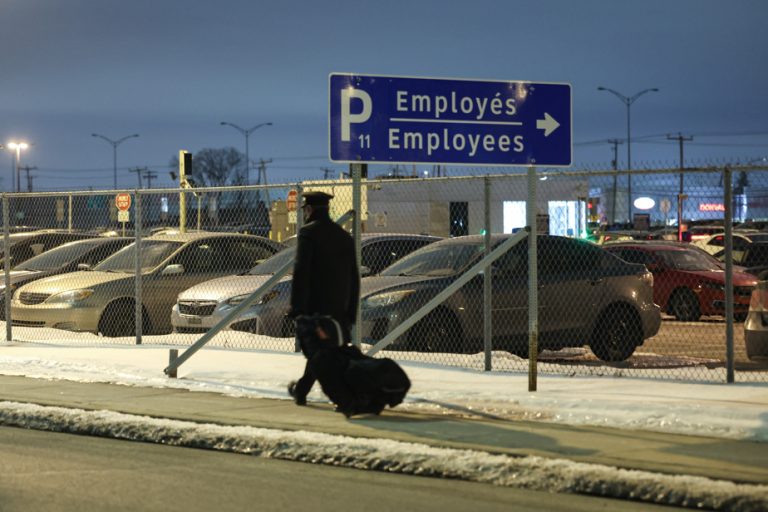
(601, 88)
(18, 145)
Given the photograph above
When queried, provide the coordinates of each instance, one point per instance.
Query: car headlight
(70, 297)
(234, 301)
(713, 286)
(386, 298)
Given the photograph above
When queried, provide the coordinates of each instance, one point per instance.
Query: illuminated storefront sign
(644, 203)
(711, 207)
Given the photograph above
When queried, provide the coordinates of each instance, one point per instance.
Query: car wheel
(684, 305)
(438, 332)
(119, 319)
(616, 335)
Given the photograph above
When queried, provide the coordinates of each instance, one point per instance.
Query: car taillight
(758, 302)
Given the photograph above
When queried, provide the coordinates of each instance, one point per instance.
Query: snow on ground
(535, 473)
(733, 411)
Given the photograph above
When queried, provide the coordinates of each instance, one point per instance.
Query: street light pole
(17, 146)
(114, 143)
(246, 133)
(628, 101)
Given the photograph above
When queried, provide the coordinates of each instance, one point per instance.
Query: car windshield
(435, 260)
(690, 260)
(275, 263)
(58, 257)
(153, 252)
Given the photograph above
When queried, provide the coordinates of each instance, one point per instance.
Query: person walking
(326, 283)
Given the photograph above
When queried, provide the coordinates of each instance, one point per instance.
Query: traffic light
(592, 206)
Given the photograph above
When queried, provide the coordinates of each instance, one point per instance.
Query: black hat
(316, 198)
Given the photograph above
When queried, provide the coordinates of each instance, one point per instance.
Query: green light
(482, 232)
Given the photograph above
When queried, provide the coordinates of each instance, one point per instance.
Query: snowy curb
(534, 473)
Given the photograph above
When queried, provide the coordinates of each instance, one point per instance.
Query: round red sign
(123, 202)
(291, 200)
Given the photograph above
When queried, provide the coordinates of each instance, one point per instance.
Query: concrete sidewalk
(736, 461)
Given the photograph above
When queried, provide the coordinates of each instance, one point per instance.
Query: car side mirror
(173, 270)
(365, 271)
(83, 266)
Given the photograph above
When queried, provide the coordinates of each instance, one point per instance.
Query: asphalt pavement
(673, 454)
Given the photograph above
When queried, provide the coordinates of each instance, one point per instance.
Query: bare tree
(216, 167)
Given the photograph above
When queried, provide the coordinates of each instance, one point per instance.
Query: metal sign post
(123, 205)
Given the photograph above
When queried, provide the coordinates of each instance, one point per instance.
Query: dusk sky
(172, 70)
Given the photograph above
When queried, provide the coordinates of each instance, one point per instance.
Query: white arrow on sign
(548, 124)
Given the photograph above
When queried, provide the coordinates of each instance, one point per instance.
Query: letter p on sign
(347, 117)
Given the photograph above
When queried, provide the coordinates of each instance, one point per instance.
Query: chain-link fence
(166, 266)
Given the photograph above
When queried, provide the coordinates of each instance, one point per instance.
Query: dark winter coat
(325, 276)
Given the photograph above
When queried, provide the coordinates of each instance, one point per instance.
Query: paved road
(62, 472)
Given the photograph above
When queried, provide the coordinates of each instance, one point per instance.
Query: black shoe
(300, 400)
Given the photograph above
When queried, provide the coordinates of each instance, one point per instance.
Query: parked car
(751, 257)
(715, 244)
(24, 246)
(203, 306)
(587, 296)
(687, 282)
(701, 231)
(756, 324)
(605, 237)
(72, 256)
(102, 300)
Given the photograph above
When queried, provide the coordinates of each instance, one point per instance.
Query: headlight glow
(234, 301)
(385, 299)
(69, 297)
(237, 299)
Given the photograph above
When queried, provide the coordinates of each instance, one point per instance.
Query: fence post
(487, 279)
(69, 215)
(138, 277)
(356, 171)
(7, 269)
(533, 281)
(729, 363)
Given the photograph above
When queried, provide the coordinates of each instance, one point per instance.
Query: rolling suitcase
(357, 383)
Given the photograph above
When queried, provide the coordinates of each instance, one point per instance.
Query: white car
(202, 306)
(714, 244)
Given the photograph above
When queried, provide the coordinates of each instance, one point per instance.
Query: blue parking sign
(386, 119)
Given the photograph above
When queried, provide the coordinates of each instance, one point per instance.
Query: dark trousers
(325, 363)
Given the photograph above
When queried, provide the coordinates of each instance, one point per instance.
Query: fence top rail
(377, 181)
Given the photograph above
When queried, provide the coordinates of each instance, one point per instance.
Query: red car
(687, 282)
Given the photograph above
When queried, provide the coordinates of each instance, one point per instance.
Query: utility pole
(263, 173)
(615, 165)
(138, 171)
(327, 173)
(149, 176)
(26, 169)
(681, 195)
